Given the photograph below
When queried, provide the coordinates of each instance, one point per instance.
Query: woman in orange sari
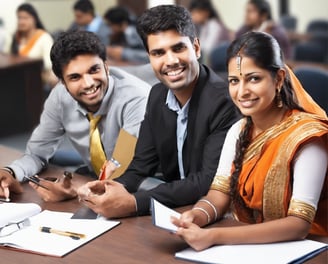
(273, 168)
(31, 40)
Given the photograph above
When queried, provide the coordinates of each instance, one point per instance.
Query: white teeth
(174, 73)
(91, 91)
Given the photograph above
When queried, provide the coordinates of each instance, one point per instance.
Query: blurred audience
(124, 41)
(32, 40)
(211, 30)
(85, 18)
(2, 35)
(258, 18)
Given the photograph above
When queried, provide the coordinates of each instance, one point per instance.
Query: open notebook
(284, 252)
(29, 237)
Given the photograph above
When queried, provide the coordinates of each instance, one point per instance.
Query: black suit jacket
(211, 114)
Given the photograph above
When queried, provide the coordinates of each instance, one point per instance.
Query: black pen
(36, 180)
(62, 233)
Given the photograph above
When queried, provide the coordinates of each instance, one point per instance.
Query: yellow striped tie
(97, 154)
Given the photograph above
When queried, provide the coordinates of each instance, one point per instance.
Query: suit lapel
(192, 117)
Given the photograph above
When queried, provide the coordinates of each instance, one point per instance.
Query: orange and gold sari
(265, 181)
(24, 51)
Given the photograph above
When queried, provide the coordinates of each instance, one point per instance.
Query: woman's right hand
(186, 217)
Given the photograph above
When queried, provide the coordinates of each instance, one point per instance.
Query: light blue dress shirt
(182, 121)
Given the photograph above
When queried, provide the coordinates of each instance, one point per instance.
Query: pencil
(61, 233)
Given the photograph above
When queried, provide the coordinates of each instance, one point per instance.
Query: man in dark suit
(186, 120)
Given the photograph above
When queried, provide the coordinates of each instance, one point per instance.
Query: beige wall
(232, 11)
(57, 14)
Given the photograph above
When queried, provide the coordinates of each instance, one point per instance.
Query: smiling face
(174, 59)
(86, 79)
(253, 89)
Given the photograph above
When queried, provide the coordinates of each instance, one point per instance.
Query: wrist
(10, 171)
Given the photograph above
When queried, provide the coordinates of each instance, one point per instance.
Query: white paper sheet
(161, 216)
(274, 253)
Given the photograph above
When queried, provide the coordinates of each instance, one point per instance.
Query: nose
(171, 58)
(243, 91)
(88, 80)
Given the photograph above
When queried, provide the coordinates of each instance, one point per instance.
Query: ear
(280, 78)
(106, 66)
(197, 48)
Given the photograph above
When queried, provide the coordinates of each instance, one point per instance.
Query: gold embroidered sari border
(221, 183)
(277, 177)
(302, 210)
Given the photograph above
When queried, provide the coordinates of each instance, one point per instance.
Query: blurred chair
(289, 22)
(318, 25)
(218, 58)
(315, 82)
(309, 51)
(318, 33)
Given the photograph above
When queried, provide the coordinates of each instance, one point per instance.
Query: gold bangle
(205, 212)
(213, 207)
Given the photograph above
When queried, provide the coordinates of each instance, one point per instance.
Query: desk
(22, 93)
(135, 240)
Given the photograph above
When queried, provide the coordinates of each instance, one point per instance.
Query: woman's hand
(198, 238)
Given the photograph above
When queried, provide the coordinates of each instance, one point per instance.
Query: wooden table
(135, 240)
(22, 93)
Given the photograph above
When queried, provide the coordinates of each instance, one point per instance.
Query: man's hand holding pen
(54, 191)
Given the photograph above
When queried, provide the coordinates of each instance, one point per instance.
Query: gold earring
(278, 99)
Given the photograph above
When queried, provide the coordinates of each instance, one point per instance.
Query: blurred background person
(33, 41)
(258, 17)
(211, 29)
(124, 41)
(85, 18)
(2, 35)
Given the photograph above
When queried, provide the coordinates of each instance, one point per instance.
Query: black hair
(263, 7)
(71, 44)
(265, 51)
(205, 5)
(165, 17)
(117, 15)
(85, 6)
(28, 8)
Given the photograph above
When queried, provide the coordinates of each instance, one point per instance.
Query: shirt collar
(173, 104)
(94, 25)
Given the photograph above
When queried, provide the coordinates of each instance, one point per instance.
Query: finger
(6, 192)
(175, 221)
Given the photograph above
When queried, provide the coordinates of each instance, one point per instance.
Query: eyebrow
(90, 68)
(247, 74)
(179, 44)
